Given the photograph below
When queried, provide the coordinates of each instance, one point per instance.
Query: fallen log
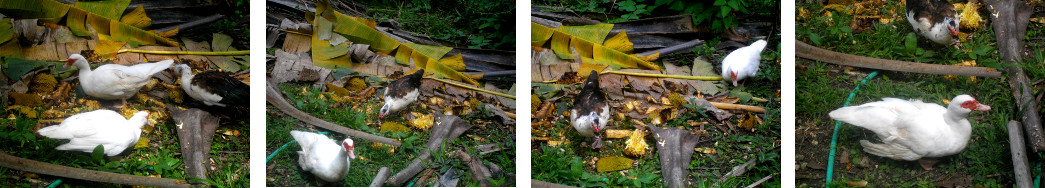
(382, 175)
(274, 97)
(27, 165)
(479, 172)
(1010, 19)
(446, 128)
(1020, 166)
(544, 184)
(819, 54)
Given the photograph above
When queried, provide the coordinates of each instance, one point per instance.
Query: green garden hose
(834, 136)
(284, 146)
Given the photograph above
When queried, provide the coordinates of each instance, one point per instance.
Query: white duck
(743, 62)
(112, 81)
(913, 130)
(100, 127)
(323, 157)
(213, 88)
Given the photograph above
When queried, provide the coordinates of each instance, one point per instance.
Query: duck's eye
(969, 104)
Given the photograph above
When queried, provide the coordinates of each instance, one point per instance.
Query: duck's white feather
(911, 129)
(583, 122)
(114, 81)
(321, 156)
(195, 91)
(100, 127)
(397, 104)
(744, 61)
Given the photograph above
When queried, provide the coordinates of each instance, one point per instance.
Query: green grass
(822, 87)
(161, 159)
(284, 171)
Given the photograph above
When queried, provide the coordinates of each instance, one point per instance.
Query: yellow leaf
(31, 100)
(455, 62)
(614, 163)
(750, 122)
(328, 56)
(447, 72)
(620, 43)
(356, 84)
(561, 45)
(394, 127)
(111, 9)
(170, 33)
(592, 33)
(539, 34)
(137, 18)
(142, 143)
(651, 57)
(337, 91)
(106, 49)
(24, 110)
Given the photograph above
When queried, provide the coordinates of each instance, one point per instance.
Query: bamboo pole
(274, 97)
(27, 165)
(223, 53)
(472, 88)
(812, 52)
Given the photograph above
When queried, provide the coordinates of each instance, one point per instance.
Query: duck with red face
(935, 20)
(590, 113)
(914, 130)
(743, 62)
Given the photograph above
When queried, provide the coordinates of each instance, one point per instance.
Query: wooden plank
(43, 52)
(77, 46)
(127, 58)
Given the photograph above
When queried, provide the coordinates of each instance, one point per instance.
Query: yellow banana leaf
(539, 36)
(107, 49)
(110, 9)
(444, 71)
(620, 43)
(6, 30)
(103, 17)
(326, 55)
(137, 18)
(34, 9)
(591, 33)
(79, 28)
(561, 45)
(586, 69)
(361, 30)
(455, 62)
(9, 46)
(588, 42)
(403, 54)
(430, 51)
